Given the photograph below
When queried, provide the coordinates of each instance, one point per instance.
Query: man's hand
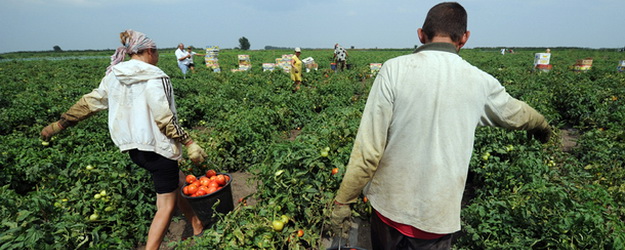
(340, 220)
(196, 153)
(51, 130)
(541, 134)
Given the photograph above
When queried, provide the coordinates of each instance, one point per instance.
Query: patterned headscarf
(133, 42)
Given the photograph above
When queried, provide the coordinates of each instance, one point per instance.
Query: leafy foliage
(520, 194)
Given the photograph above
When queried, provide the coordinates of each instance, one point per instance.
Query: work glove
(51, 130)
(541, 133)
(196, 153)
(340, 220)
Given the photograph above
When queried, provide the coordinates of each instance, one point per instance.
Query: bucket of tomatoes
(208, 194)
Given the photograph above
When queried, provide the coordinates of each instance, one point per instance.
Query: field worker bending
(142, 122)
(340, 57)
(414, 143)
(183, 57)
(296, 69)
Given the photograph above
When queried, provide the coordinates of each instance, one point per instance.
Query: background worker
(414, 143)
(142, 121)
(189, 61)
(296, 69)
(182, 57)
(340, 57)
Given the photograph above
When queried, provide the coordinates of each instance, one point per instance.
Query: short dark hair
(446, 19)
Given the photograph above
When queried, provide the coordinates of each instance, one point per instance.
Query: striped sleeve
(161, 104)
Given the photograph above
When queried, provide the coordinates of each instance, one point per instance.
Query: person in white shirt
(182, 57)
(413, 147)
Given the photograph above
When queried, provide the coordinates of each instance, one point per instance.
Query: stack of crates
(375, 68)
(541, 62)
(211, 60)
(310, 64)
(583, 65)
(269, 66)
(284, 62)
(244, 63)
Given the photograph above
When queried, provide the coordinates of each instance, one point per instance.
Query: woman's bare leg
(165, 205)
(187, 210)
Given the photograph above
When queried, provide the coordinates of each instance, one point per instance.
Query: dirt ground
(569, 139)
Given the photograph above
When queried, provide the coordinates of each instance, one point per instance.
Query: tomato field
(81, 192)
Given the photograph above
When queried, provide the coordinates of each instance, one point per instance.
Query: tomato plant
(520, 194)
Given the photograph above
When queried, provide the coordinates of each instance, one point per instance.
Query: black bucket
(203, 205)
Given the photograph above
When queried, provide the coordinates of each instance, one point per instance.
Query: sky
(35, 25)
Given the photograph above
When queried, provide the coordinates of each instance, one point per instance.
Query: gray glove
(196, 153)
(340, 220)
(541, 133)
(51, 130)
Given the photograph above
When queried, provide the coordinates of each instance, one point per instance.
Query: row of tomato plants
(521, 193)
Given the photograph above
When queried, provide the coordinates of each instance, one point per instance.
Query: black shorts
(164, 171)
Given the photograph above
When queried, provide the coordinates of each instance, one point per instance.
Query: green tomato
(94, 217)
(109, 209)
(45, 143)
(509, 148)
(324, 153)
(103, 192)
(284, 219)
(485, 156)
(97, 196)
(277, 225)
(89, 167)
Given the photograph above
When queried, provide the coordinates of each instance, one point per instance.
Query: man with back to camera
(414, 144)
(340, 56)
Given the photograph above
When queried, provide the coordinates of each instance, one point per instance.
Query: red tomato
(210, 173)
(204, 188)
(204, 181)
(201, 192)
(190, 179)
(213, 184)
(192, 188)
(197, 183)
(221, 180)
(335, 171)
(212, 190)
(300, 233)
(227, 178)
(185, 190)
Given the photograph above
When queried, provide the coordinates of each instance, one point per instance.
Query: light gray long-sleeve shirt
(416, 136)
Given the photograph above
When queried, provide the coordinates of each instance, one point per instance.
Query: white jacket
(141, 109)
(416, 136)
